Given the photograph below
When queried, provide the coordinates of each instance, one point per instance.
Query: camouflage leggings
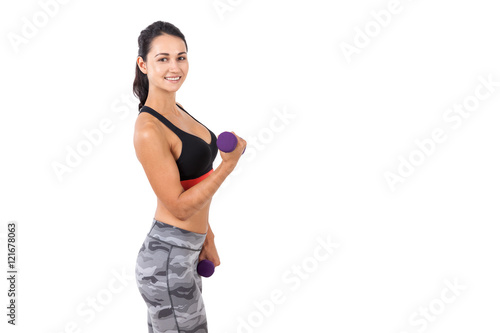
(166, 275)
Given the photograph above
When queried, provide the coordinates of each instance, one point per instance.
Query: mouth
(173, 79)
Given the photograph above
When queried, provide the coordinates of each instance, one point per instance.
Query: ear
(142, 65)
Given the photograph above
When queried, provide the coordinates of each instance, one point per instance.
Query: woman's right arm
(160, 167)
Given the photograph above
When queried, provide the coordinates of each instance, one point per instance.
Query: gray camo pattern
(167, 279)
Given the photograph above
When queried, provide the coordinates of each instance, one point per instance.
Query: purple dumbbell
(227, 141)
(205, 268)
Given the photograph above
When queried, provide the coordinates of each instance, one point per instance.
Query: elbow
(179, 213)
(178, 210)
(182, 215)
(184, 211)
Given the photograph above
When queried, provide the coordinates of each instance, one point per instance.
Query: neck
(163, 102)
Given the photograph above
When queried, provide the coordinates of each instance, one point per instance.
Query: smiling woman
(176, 152)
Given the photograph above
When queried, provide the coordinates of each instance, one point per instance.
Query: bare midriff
(197, 223)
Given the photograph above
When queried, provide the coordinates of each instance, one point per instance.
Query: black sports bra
(197, 156)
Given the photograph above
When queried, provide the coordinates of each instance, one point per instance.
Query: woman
(176, 152)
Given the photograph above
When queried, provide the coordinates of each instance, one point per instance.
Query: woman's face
(166, 64)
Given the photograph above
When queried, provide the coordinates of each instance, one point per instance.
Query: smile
(177, 78)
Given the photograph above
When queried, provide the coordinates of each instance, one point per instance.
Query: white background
(319, 176)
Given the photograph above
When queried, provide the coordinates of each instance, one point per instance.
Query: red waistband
(188, 183)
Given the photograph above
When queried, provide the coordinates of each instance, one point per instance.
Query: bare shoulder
(147, 132)
(145, 125)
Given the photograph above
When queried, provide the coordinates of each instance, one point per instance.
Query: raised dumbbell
(227, 141)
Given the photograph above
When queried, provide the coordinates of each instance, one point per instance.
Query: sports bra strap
(188, 114)
(164, 120)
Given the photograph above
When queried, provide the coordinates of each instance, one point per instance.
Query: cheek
(157, 70)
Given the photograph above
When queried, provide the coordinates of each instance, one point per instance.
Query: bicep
(160, 167)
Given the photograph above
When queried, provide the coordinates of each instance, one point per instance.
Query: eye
(182, 58)
(162, 59)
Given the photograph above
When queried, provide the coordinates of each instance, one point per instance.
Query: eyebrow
(169, 54)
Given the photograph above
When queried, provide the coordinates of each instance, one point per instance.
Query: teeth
(173, 78)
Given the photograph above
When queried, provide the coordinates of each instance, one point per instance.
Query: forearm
(196, 197)
(209, 251)
(210, 235)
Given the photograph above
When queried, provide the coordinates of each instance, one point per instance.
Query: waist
(176, 236)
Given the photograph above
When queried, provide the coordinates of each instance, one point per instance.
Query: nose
(173, 67)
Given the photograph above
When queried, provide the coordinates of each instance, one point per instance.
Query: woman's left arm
(208, 251)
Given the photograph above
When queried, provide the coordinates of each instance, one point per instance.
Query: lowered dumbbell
(205, 268)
